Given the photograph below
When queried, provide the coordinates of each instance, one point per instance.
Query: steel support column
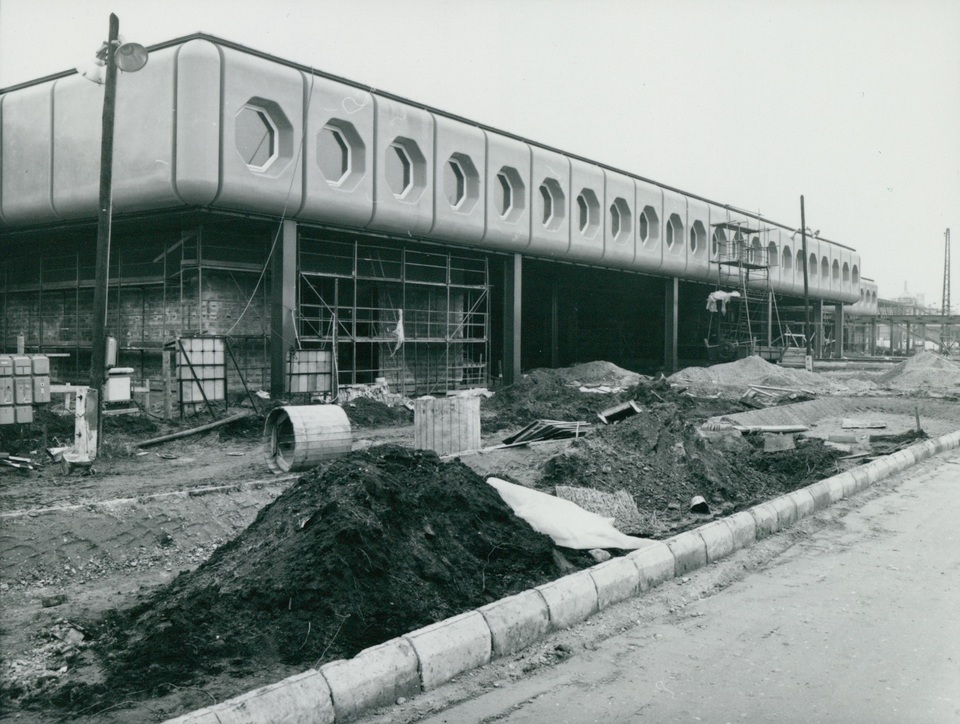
(838, 319)
(283, 304)
(670, 312)
(555, 322)
(512, 298)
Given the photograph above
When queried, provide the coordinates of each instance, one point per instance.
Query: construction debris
(19, 463)
(851, 424)
(779, 443)
(548, 430)
(619, 412)
(699, 505)
(193, 430)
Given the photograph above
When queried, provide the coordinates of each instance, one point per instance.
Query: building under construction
(327, 234)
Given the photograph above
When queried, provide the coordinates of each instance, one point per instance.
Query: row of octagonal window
(341, 158)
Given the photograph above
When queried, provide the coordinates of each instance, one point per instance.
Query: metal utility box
(6, 390)
(23, 390)
(41, 390)
(24, 382)
(117, 387)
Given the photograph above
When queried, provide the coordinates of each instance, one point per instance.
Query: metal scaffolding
(416, 316)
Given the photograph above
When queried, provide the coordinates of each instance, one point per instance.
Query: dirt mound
(364, 412)
(376, 544)
(542, 395)
(756, 371)
(598, 373)
(660, 459)
(924, 371)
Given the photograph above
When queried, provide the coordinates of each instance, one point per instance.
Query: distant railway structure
(333, 234)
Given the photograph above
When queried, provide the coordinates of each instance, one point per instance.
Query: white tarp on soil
(566, 523)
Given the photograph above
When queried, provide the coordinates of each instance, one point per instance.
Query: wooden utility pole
(105, 215)
(808, 359)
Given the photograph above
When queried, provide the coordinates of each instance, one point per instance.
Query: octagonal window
(787, 258)
(256, 137)
(824, 267)
(719, 238)
(649, 225)
(800, 265)
(846, 273)
(812, 266)
(674, 231)
(399, 170)
(333, 154)
(773, 257)
(588, 209)
(405, 169)
(856, 274)
(341, 154)
(508, 197)
(621, 219)
(461, 183)
(698, 236)
(552, 204)
(836, 270)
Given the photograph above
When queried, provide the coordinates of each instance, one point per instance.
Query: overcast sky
(853, 103)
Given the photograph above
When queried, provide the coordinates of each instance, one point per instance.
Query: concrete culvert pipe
(300, 437)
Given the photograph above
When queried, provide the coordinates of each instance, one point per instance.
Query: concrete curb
(431, 656)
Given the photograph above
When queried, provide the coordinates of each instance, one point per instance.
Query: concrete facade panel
(460, 193)
(340, 120)
(254, 90)
(508, 193)
(620, 205)
(198, 122)
(26, 155)
(649, 235)
(588, 217)
(550, 220)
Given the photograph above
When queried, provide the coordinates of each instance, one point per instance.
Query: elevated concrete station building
(308, 218)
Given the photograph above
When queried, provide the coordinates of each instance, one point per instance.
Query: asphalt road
(856, 618)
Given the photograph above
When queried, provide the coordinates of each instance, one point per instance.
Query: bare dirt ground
(87, 561)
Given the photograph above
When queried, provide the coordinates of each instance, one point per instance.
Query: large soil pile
(662, 461)
(924, 371)
(543, 395)
(756, 371)
(375, 545)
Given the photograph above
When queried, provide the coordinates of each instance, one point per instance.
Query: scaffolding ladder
(748, 322)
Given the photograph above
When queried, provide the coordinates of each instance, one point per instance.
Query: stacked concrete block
(570, 599)
(655, 564)
(24, 383)
(450, 647)
(375, 677)
(516, 622)
(689, 552)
